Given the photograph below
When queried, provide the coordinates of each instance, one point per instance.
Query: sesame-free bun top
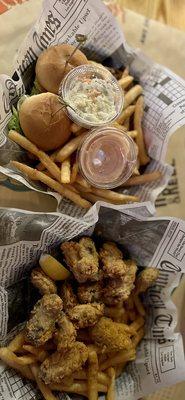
(40, 122)
(50, 67)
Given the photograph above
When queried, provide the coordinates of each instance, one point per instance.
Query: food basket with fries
(85, 304)
(44, 127)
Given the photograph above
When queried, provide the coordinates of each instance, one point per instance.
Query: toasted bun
(39, 126)
(50, 67)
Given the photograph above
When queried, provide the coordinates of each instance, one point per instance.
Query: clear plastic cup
(92, 96)
(107, 157)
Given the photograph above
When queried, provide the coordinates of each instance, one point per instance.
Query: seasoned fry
(82, 182)
(9, 358)
(75, 128)
(61, 154)
(132, 134)
(118, 358)
(45, 390)
(116, 313)
(66, 171)
(137, 324)
(138, 337)
(92, 376)
(126, 113)
(114, 196)
(127, 124)
(111, 387)
(92, 197)
(132, 95)
(63, 190)
(135, 172)
(17, 342)
(142, 179)
(139, 305)
(26, 360)
(43, 157)
(138, 115)
(69, 148)
(76, 387)
(74, 172)
(125, 72)
(125, 81)
(40, 354)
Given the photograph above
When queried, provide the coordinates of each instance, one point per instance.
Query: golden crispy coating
(111, 336)
(66, 333)
(146, 279)
(112, 261)
(58, 365)
(40, 327)
(90, 292)
(42, 282)
(85, 315)
(82, 258)
(68, 297)
(118, 290)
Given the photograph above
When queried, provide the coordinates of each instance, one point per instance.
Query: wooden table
(170, 12)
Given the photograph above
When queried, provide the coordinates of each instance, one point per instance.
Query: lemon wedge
(53, 268)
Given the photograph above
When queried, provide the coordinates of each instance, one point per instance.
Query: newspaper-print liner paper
(158, 242)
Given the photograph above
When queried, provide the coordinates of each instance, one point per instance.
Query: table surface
(170, 12)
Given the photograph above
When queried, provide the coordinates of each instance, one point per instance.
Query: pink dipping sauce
(107, 157)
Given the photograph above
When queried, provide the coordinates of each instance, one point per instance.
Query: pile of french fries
(102, 367)
(59, 171)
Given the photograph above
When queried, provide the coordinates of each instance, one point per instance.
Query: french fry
(91, 197)
(69, 148)
(125, 81)
(139, 306)
(75, 128)
(45, 390)
(111, 387)
(82, 190)
(43, 157)
(26, 359)
(74, 172)
(125, 72)
(114, 196)
(132, 95)
(61, 154)
(66, 171)
(138, 337)
(63, 190)
(17, 342)
(92, 376)
(132, 134)
(127, 124)
(135, 172)
(82, 182)
(137, 324)
(138, 115)
(119, 368)
(40, 354)
(126, 113)
(142, 179)
(119, 358)
(9, 358)
(77, 387)
(82, 375)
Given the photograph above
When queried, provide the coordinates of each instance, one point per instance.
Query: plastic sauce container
(107, 157)
(92, 96)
